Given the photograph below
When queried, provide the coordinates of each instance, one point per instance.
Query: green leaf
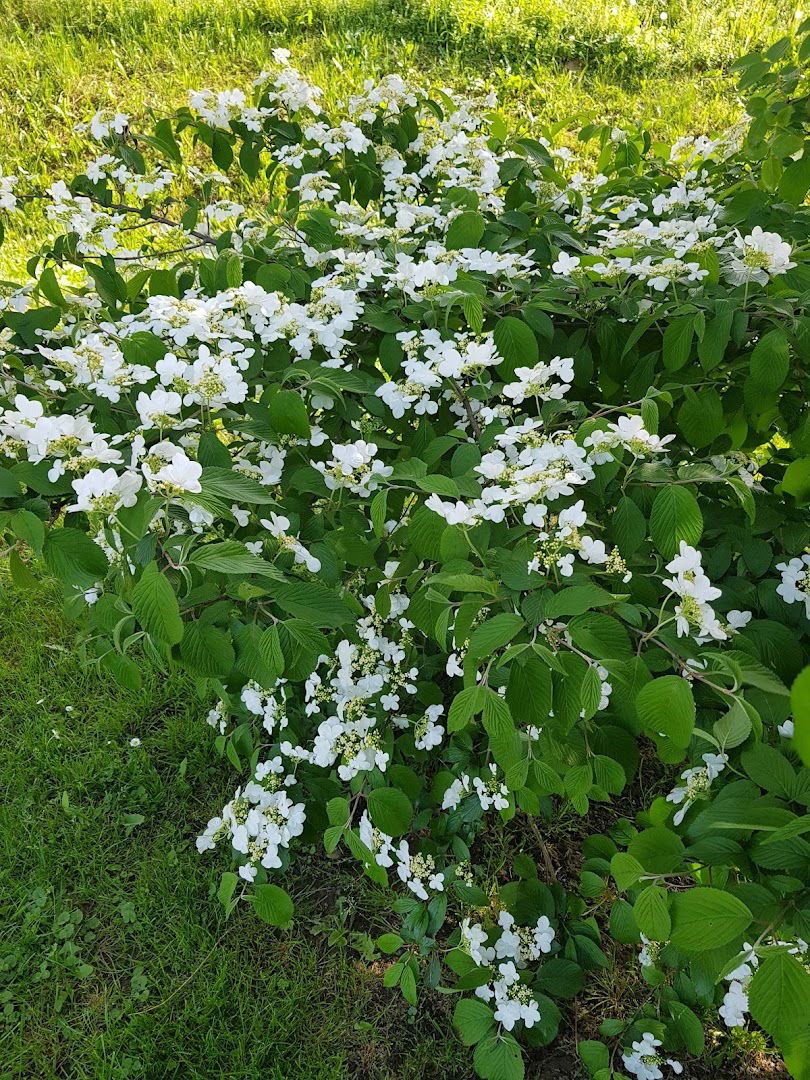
(595, 1055)
(494, 633)
(466, 704)
(142, 347)
(779, 996)
(390, 810)
(800, 705)
(590, 692)
(301, 645)
(28, 527)
(700, 418)
(259, 654)
(675, 517)
(500, 727)
(577, 599)
(498, 1057)
(389, 943)
(560, 977)
(688, 1027)
(332, 837)
(337, 810)
(379, 507)
(273, 905)
(50, 287)
(678, 342)
(465, 230)
(625, 870)
(733, 728)
(74, 558)
(651, 912)
(123, 670)
(796, 481)
(770, 769)
(473, 312)
(795, 181)
(288, 414)
(658, 849)
(713, 345)
(232, 557)
(667, 706)
(407, 985)
(9, 485)
(232, 486)
(770, 360)
(227, 887)
(704, 919)
(629, 526)
(207, 650)
(528, 693)
(516, 344)
(155, 606)
(473, 1020)
(313, 603)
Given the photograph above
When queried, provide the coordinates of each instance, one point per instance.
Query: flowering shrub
(465, 481)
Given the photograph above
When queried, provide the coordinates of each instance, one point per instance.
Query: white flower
(159, 408)
(694, 614)
(428, 734)
(105, 491)
(277, 525)
(758, 257)
(644, 1061)
(543, 935)
(474, 938)
(565, 264)
(180, 474)
(354, 466)
(697, 782)
(737, 620)
(794, 587)
(543, 381)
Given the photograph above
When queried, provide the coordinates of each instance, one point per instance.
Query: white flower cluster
(515, 946)
(270, 705)
(491, 792)
(628, 433)
(735, 1000)
(259, 821)
(531, 468)
(278, 526)
(697, 782)
(8, 200)
(433, 368)
(694, 614)
(794, 588)
(416, 870)
(663, 242)
(364, 684)
(644, 1061)
(419, 872)
(354, 466)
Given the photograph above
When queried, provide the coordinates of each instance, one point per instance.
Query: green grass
(557, 60)
(115, 960)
